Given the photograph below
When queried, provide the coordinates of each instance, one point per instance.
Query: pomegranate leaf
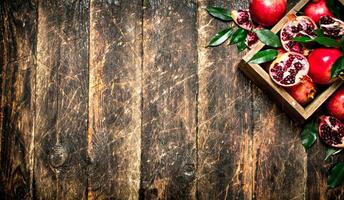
(309, 134)
(336, 175)
(322, 40)
(303, 39)
(241, 46)
(337, 67)
(319, 32)
(239, 36)
(220, 13)
(268, 37)
(220, 37)
(264, 56)
(326, 41)
(330, 151)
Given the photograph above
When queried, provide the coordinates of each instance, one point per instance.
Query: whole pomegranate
(320, 64)
(304, 91)
(317, 8)
(331, 131)
(267, 12)
(335, 105)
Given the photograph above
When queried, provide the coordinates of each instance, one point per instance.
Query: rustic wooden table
(118, 99)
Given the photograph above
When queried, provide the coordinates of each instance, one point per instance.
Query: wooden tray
(257, 74)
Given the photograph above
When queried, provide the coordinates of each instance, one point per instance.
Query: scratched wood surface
(116, 99)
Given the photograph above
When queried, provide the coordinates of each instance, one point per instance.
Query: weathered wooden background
(118, 99)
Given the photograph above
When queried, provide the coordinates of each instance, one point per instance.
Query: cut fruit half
(297, 27)
(288, 69)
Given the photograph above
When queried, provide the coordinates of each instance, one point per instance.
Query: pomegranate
(320, 64)
(304, 91)
(297, 27)
(335, 105)
(242, 18)
(288, 69)
(251, 39)
(331, 131)
(316, 9)
(331, 26)
(267, 12)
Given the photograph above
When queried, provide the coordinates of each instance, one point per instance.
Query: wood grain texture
(169, 100)
(317, 170)
(17, 60)
(115, 99)
(280, 160)
(61, 100)
(225, 109)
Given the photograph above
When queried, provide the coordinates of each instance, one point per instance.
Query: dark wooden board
(61, 100)
(169, 96)
(115, 99)
(279, 159)
(17, 60)
(225, 114)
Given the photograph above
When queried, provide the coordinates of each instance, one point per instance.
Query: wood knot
(58, 156)
(189, 170)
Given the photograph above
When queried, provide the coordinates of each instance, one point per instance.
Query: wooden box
(257, 74)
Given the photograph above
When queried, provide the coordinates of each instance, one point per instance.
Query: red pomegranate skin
(267, 12)
(335, 105)
(303, 92)
(316, 9)
(320, 64)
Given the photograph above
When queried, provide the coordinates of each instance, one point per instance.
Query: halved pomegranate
(242, 18)
(331, 26)
(331, 131)
(288, 69)
(297, 27)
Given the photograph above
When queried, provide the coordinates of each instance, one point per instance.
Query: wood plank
(61, 101)
(114, 99)
(169, 100)
(225, 114)
(17, 61)
(280, 161)
(317, 170)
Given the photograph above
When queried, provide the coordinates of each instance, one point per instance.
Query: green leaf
(264, 56)
(336, 175)
(220, 13)
(326, 41)
(309, 134)
(336, 8)
(241, 46)
(332, 151)
(268, 38)
(303, 39)
(220, 37)
(319, 32)
(337, 67)
(238, 36)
